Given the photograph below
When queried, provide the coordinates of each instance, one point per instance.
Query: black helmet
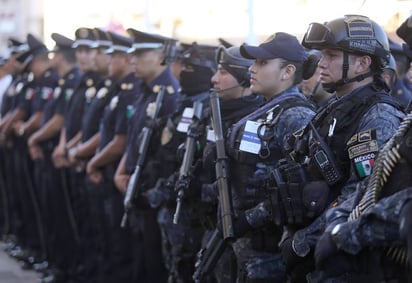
(200, 55)
(232, 61)
(353, 34)
(201, 58)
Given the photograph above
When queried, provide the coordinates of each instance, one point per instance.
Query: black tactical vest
(249, 171)
(347, 113)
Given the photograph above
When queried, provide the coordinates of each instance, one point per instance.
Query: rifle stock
(208, 256)
(132, 190)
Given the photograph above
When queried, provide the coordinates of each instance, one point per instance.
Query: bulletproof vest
(250, 171)
(162, 160)
(346, 114)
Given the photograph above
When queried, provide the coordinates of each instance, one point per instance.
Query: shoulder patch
(362, 137)
(363, 151)
(363, 148)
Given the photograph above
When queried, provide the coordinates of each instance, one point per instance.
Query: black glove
(241, 225)
(289, 256)
(325, 248)
(156, 195)
(405, 229)
(329, 259)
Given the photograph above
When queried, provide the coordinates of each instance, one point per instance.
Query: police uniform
(35, 98)
(232, 110)
(144, 227)
(113, 242)
(117, 264)
(55, 203)
(254, 145)
(181, 240)
(11, 209)
(75, 109)
(20, 204)
(359, 122)
(374, 216)
(8, 107)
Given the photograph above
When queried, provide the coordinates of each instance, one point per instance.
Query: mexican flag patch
(364, 164)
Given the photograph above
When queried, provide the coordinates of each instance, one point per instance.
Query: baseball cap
(278, 45)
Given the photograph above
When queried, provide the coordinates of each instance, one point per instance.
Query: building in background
(236, 21)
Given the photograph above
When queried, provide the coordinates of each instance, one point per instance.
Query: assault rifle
(210, 254)
(222, 170)
(132, 191)
(169, 55)
(187, 167)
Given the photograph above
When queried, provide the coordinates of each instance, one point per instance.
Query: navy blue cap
(62, 43)
(120, 43)
(85, 37)
(103, 38)
(36, 47)
(143, 40)
(279, 45)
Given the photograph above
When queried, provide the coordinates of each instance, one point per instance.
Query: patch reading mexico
(363, 148)
(250, 141)
(364, 164)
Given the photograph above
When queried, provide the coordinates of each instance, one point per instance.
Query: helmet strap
(331, 87)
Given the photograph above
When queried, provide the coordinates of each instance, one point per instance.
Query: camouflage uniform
(257, 252)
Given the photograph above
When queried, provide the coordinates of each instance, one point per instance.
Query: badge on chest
(250, 141)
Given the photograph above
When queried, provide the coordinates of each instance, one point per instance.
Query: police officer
(231, 81)
(255, 144)
(359, 118)
(85, 46)
(117, 257)
(147, 58)
(11, 211)
(379, 218)
(95, 100)
(180, 228)
(55, 203)
(401, 63)
(31, 109)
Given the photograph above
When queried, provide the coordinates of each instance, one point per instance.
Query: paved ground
(10, 271)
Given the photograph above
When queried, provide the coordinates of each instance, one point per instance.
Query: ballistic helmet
(353, 34)
(238, 66)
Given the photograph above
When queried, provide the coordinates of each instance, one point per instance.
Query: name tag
(211, 135)
(186, 120)
(250, 141)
